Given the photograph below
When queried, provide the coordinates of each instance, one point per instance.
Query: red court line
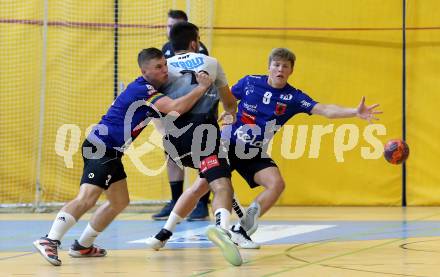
(149, 26)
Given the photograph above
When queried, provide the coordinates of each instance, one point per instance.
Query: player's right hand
(203, 79)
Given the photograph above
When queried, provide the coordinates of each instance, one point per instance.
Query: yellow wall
(20, 74)
(422, 108)
(332, 67)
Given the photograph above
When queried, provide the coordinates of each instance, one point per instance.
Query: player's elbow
(330, 114)
(173, 107)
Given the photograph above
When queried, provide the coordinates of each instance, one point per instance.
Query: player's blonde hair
(282, 54)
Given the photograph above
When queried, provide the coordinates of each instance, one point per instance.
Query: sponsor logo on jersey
(247, 118)
(150, 89)
(280, 108)
(249, 89)
(189, 64)
(249, 107)
(251, 139)
(208, 163)
(305, 104)
(91, 175)
(286, 97)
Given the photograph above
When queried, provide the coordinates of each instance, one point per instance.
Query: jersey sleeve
(305, 103)
(221, 80)
(153, 95)
(238, 88)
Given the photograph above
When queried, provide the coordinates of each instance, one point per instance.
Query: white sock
(172, 221)
(88, 236)
(62, 223)
(222, 218)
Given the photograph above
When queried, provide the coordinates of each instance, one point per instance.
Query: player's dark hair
(149, 54)
(177, 14)
(282, 54)
(181, 35)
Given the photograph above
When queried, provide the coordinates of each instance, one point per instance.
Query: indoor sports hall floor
(296, 241)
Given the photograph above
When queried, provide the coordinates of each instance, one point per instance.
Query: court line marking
(265, 233)
(17, 256)
(314, 244)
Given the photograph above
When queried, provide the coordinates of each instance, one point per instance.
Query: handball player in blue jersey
(265, 104)
(102, 151)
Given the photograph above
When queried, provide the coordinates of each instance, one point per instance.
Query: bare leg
(223, 193)
(175, 173)
(183, 207)
(84, 201)
(270, 178)
(72, 211)
(190, 197)
(118, 200)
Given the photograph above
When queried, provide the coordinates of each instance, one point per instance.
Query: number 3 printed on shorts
(266, 97)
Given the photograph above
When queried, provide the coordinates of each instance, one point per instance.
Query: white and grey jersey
(181, 69)
(184, 84)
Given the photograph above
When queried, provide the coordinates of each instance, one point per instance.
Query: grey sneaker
(79, 251)
(250, 221)
(239, 237)
(222, 239)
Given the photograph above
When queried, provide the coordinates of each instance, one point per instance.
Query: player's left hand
(227, 118)
(367, 112)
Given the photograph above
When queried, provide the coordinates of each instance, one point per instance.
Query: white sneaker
(155, 244)
(159, 240)
(239, 237)
(250, 221)
(222, 239)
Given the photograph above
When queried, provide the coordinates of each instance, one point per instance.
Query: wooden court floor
(296, 241)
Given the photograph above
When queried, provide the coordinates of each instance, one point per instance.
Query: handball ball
(396, 151)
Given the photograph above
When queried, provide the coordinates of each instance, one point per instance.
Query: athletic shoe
(222, 239)
(239, 237)
(250, 221)
(200, 213)
(159, 240)
(79, 251)
(48, 248)
(165, 212)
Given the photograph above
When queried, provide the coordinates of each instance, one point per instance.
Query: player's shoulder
(255, 79)
(141, 85)
(167, 50)
(206, 58)
(297, 94)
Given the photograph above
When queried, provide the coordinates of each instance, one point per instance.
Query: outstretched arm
(333, 111)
